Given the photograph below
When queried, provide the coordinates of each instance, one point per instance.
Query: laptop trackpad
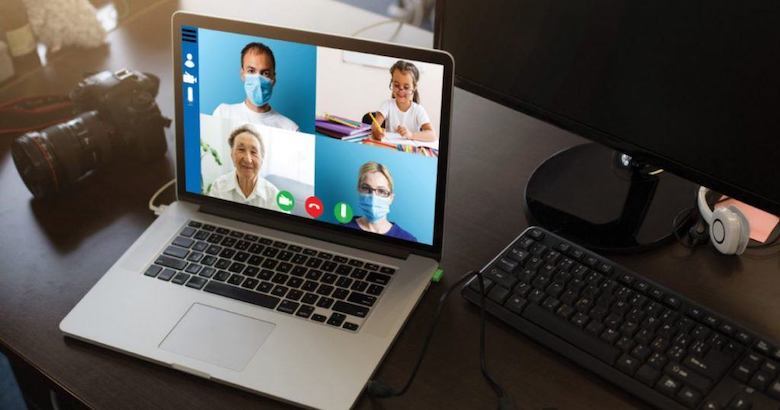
(217, 336)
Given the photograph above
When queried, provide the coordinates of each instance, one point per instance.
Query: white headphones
(729, 229)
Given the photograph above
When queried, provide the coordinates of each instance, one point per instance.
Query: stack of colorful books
(342, 128)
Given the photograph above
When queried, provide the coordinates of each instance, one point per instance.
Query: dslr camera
(117, 119)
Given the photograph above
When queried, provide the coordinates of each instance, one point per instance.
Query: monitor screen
(693, 87)
(337, 137)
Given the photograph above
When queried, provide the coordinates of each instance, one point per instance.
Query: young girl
(403, 113)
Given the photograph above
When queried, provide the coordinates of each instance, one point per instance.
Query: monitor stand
(605, 201)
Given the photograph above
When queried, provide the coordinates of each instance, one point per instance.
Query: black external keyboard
(308, 283)
(648, 340)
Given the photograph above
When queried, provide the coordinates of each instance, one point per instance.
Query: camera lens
(51, 160)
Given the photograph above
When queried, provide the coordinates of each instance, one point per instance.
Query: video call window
(337, 136)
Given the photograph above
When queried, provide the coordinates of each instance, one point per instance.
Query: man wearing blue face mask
(258, 73)
(375, 188)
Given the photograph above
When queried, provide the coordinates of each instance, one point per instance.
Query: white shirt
(413, 118)
(242, 114)
(226, 187)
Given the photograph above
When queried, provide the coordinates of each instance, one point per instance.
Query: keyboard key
(250, 283)
(309, 298)
(687, 377)
(344, 282)
(516, 304)
(668, 386)
(194, 224)
(200, 246)
(350, 326)
(318, 318)
(180, 278)
(741, 401)
(774, 389)
(195, 257)
(689, 397)
(280, 245)
(153, 270)
(571, 333)
(193, 268)
(361, 299)
(279, 290)
(235, 279)
(196, 282)
(169, 262)
(378, 278)
(712, 365)
(294, 294)
(760, 380)
(375, 290)
(305, 311)
(336, 319)
(628, 364)
(350, 309)
(243, 295)
(387, 270)
(176, 252)
(647, 375)
(288, 306)
(166, 274)
(359, 273)
(207, 272)
(183, 242)
(325, 303)
(325, 290)
(340, 294)
(498, 294)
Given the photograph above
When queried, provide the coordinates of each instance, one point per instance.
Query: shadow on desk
(98, 201)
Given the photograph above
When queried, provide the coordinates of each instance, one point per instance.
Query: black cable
(377, 389)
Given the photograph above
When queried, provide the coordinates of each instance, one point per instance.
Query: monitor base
(605, 201)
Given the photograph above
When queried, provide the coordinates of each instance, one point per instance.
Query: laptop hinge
(304, 228)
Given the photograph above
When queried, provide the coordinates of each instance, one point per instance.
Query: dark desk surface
(51, 254)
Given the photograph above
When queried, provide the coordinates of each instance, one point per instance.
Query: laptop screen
(341, 137)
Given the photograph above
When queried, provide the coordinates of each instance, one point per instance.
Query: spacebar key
(243, 295)
(571, 334)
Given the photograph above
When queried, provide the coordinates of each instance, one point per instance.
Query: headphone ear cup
(744, 230)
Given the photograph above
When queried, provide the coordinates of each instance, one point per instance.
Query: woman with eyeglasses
(402, 112)
(375, 189)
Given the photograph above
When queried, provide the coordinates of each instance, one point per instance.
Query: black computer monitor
(689, 87)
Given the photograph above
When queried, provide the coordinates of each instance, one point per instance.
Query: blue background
(192, 176)
(414, 183)
(296, 76)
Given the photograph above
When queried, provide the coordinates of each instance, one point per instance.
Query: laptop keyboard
(311, 284)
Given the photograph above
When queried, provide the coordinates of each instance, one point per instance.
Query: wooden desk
(52, 252)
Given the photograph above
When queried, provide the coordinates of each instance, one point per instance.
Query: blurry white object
(6, 65)
(59, 23)
(411, 11)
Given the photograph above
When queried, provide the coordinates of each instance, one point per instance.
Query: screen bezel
(296, 224)
(603, 137)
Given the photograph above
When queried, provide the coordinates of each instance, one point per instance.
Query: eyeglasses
(381, 192)
(406, 88)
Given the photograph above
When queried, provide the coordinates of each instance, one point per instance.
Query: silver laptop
(308, 222)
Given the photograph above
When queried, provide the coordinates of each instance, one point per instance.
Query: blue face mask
(258, 89)
(374, 207)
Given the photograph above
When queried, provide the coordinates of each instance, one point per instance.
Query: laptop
(302, 236)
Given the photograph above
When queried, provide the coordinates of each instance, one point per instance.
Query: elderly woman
(245, 185)
(375, 189)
